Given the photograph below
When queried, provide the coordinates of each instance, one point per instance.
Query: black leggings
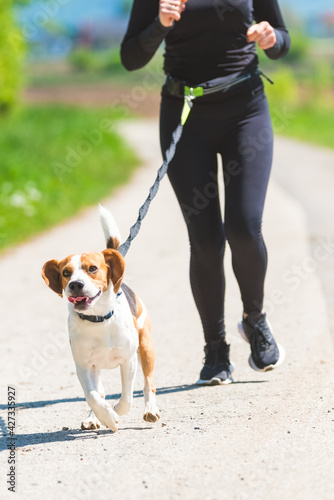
(235, 124)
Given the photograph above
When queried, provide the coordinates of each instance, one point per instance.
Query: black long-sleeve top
(208, 42)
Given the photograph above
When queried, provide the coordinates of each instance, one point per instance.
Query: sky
(73, 14)
(309, 7)
(76, 11)
(70, 11)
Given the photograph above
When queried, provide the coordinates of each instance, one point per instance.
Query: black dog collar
(97, 319)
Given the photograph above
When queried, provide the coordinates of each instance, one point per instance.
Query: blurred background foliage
(12, 50)
(61, 76)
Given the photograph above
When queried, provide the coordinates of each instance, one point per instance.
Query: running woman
(211, 45)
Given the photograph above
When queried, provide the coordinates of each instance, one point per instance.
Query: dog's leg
(89, 382)
(128, 375)
(92, 422)
(146, 354)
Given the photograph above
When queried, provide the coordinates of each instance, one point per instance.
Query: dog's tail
(110, 229)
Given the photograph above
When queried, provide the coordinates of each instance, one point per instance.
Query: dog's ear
(116, 264)
(52, 277)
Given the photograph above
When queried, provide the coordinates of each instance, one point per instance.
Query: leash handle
(187, 105)
(190, 93)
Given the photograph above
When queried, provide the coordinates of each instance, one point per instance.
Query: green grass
(301, 100)
(301, 109)
(309, 123)
(53, 162)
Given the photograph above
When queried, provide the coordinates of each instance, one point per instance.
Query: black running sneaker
(266, 354)
(217, 367)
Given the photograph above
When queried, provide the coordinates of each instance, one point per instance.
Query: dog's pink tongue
(77, 300)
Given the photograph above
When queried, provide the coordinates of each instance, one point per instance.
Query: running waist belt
(179, 88)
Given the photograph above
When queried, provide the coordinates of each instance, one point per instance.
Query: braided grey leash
(189, 95)
(134, 230)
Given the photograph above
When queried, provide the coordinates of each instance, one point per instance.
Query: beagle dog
(108, 326)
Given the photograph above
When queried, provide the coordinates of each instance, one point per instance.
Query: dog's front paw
(91, 422)
(151, 413)
(110, 419)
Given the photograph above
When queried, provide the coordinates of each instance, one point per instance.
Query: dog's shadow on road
(38, 438)
(23, 440)
(136, 394)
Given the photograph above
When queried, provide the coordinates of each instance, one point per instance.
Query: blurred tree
(12, 48)
(298, 54)
(300, 47)
(126, 6)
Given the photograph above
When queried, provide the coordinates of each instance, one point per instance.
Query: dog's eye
(66, 273)
(92, 269)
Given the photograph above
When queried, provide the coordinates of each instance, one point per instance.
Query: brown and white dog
(108, 325)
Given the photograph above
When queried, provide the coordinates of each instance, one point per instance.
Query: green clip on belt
(190, 93)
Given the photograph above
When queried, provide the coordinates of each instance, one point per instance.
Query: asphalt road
(307, 174)
(265, 436)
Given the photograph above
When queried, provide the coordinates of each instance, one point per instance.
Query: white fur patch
(109, 225)
(76, 262)
(142, 317)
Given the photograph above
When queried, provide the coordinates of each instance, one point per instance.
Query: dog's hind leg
(128, 375)
(146, 355)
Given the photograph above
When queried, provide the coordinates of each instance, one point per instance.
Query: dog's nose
(76, 286)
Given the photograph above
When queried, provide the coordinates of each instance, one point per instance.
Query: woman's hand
(262, 33)
(170, 11)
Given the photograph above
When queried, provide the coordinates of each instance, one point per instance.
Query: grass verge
(302, 109)
(307, 122)
(54, 161)
(301, 102)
